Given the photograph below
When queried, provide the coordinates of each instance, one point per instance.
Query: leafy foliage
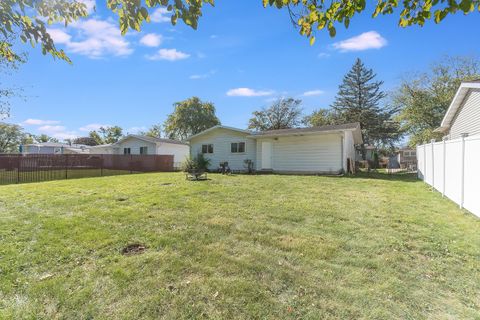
(28, 19)
(190, 117)
(423, 99)
(88, 141)
(155, 131)
(312, 15)
(200, 162)
(11, 137)
(107, 135)
(358, 100)
(320, 117)
(42, 138)
(284, 113)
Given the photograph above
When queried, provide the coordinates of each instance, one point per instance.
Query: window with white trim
(143, 150)
(237, 147)
(207, 148)
(126, 151)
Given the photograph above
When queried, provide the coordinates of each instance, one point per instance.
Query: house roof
(150, 139)
(218, 127)
(457, 103)
(57, 145)
(354, 127)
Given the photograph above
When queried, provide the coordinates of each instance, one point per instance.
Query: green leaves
(320, 14)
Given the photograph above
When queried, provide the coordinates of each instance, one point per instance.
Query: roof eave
(456, 104)
(217, 127)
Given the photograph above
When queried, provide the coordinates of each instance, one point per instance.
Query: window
(237, 147)
(126, 151)
(406, 153)
(207, 148)
(143, 150)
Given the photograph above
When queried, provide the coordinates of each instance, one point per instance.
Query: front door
(266, 155)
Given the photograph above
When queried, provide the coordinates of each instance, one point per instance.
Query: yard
(237, 247)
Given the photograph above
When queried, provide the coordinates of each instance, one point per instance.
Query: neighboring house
(137, 144)
(463, 115)
(304, 150)
(54, 148)
(369, 151)
(407, 158)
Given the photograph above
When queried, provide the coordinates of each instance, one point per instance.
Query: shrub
(197, 163)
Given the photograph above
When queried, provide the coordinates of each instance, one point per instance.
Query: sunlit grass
(237, 247)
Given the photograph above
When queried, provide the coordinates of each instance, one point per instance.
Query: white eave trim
(456, 104)
(260, 136)
(218, 127)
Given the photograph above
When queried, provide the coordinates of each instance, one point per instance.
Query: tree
(88, 141)
(190, 117)
(7, 67)
(107, 135)
(423, 99)
(27, 20)
(284, 113)
(358, 100)
(311, 15)
(155, 131)
(44, 138)
(320, 117)
(11, 137)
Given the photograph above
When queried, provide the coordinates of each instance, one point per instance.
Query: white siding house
(136, 144)
(463, 115)
(303, 150)
(218, 143)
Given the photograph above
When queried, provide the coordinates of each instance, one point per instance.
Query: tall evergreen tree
(358, 100)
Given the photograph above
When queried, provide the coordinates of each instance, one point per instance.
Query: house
(144, 145)
(313, 150)
(369, 151)
(54, 148)
(407, 158)
(463, 115)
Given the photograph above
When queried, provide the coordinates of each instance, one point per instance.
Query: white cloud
(310, 93)
(59, 132)
(59, 36)
(93, 126)
(323, 55)
(202, 76)
(247, 92)
(89, 3)
(134, 130)
(38, 122)
(151, 40)
(93, 38)
(364, 41)
(168, 54)
(213, 36)
(160, 15)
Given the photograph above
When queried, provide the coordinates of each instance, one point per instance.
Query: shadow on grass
(375, 175)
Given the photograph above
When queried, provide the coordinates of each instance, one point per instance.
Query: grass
(237, 247)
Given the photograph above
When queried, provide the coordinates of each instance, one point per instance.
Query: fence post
(101, 166)
(462, 185)
(444, 166)
(66, 166)
(433, 163)
(425, 162)
(18, 168)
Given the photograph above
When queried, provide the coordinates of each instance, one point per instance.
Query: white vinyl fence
(453, 168)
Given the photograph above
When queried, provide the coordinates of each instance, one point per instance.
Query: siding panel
(221, 140)
(467, 119)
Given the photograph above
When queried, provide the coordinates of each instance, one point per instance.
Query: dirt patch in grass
(134, 248)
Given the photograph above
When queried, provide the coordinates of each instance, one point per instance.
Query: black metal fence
(19, 168)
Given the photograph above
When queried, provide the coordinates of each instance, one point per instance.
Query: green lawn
(237, 247)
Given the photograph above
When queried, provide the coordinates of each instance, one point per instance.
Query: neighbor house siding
(134, 145)
(467, 119)
(179, 151)
(221, 139)
(316, 153)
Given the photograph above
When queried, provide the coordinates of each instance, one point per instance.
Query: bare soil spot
(134, 248)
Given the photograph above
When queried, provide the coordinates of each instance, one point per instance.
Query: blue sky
(241, 57)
